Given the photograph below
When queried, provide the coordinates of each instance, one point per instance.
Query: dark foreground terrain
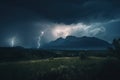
(64, 68)
(27, 64)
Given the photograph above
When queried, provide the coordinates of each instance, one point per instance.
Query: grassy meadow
(61, 68)
(34, 64)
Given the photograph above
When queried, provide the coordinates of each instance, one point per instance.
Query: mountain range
(77, 43)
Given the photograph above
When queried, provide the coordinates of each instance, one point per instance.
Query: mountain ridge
(73, 42)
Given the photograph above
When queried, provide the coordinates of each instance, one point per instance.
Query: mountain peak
(60, 38)
(73, 42)
(70, 37)
(84, 37)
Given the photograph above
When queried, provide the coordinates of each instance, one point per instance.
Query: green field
(63, 68)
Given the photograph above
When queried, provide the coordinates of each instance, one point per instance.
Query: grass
(63, 68)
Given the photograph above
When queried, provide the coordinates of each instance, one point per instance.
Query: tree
(116, 48)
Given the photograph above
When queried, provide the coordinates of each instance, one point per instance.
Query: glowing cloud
(56, 30)
(80, 29)
(61, 31)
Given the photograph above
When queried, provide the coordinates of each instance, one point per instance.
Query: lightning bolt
(12, 41)
(39, 39)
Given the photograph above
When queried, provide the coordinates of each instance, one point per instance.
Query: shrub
(83, 56)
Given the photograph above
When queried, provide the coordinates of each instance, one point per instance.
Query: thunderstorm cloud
(26, 19)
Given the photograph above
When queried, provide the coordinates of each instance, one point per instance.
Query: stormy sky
(28, 22)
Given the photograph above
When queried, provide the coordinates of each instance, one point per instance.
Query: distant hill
(77, 43)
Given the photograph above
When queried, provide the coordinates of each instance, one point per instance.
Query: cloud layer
(58, 18)
(67, 11)
(79, 29)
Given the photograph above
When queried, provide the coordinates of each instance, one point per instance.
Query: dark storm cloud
(19, 17)
(67, 11)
